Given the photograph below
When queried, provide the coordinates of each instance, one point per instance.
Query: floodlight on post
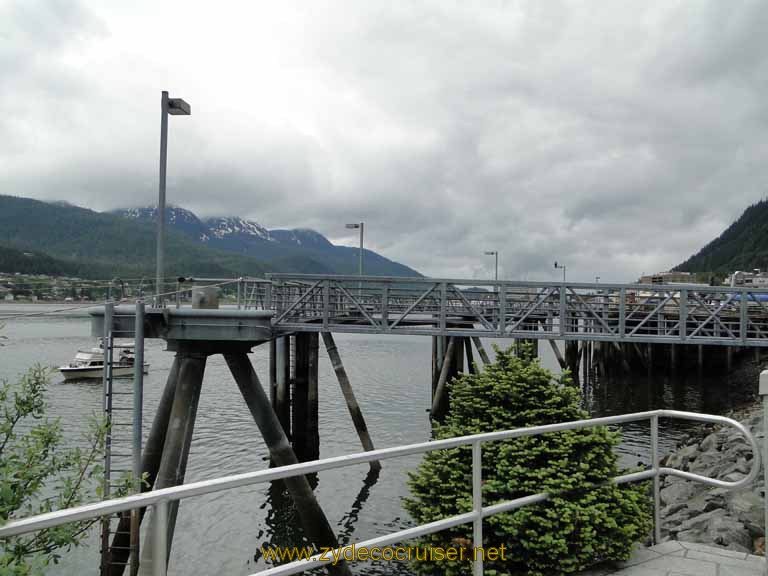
(174, 107)
(563, 268)
(496, 254)
(361, 227)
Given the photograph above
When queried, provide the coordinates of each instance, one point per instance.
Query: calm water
(222, 533)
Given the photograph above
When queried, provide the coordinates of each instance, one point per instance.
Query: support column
(480, 350)
(150, 464)
(458, 356)
(572, 359)
(282, 383)
(349, 396)
(470, 358)
(317, 529)
(304, 401)
(181, 424)
(673, 358)
(558, 354)
(440, 400)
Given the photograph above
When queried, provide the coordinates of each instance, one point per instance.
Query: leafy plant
(585, 521)
(39, 474)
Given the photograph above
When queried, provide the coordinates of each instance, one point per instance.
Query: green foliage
(38, 474)
(585, 521)
(742, 246)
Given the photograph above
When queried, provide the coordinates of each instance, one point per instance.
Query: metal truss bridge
(668, 314)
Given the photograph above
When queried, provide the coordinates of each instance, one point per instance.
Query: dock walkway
(675, 558)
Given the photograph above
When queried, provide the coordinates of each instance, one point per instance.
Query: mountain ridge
(78, 238)
(743, 245)
(247, 236)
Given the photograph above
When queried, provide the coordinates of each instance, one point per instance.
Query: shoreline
(696, 513)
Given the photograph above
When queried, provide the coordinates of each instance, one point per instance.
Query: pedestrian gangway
(670, 314)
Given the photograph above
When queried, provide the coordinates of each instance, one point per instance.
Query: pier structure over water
(292, 313)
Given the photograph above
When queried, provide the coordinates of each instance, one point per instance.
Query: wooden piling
(317, 529)
(349, 396)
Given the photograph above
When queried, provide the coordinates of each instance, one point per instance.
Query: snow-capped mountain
(234, 226)
(175, 217)
(301, 249)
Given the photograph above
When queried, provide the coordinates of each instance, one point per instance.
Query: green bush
(578, 526)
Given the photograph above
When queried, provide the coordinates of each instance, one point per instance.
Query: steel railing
(159, 499)
(673, 314)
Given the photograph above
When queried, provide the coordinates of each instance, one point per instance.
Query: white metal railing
(159, 499)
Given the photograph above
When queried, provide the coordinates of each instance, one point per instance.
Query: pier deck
(675, 558)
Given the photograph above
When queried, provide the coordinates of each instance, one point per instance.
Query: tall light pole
(361, 227)
(597, 279)
(176, 107)
(496, 254)
(561, 266)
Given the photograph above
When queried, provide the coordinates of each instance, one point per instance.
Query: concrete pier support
(316, 526)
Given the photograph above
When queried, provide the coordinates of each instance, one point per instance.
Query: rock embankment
(695, 512)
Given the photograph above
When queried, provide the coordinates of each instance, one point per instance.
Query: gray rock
(738, 548)
(710, 443)
(672, 508)
(706, 502)
(689, 452)
(677, 492)
(746, 506)
(697, 536)
(702, 521)
(726, 530)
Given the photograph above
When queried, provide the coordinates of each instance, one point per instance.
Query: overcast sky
(616, 137)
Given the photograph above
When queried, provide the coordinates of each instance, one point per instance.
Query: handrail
(159, 499)
(308, 278)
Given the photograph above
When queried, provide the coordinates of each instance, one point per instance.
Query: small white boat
(90, 364)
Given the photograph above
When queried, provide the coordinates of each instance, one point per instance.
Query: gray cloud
(614, 136)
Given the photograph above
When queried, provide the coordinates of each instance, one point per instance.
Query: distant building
(756, 278)
(670, 277)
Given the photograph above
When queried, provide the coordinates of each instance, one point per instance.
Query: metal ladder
(122, 419)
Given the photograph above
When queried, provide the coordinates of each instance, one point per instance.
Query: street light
(175, 107)
(597, 279)
(560, 266)
(361, 227)
(496, 254)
